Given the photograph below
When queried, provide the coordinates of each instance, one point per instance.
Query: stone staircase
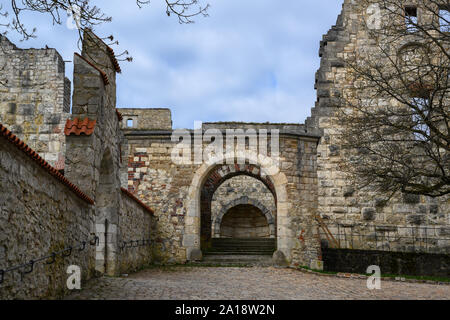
(248, 252)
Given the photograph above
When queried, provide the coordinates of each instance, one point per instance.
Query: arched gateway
(181, 193)
(206, 180)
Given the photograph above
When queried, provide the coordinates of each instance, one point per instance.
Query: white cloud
(251, 60)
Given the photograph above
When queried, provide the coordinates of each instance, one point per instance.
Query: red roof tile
(79, 127)
(119, 115)
(133, 197)
(22, 146)
(111, 54)
(103, 74)
(114, 61)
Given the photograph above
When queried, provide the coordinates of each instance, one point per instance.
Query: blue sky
(251, 60)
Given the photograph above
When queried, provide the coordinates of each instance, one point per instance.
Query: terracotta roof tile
(111, 53)
(133, 197)
(119, 115)
(78, 127)
(103, 74)
(22, 146)
(114, 61)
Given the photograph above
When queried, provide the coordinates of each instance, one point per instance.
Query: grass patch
(318, 271)
(424, 278)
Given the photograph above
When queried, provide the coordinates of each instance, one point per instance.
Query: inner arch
(244, 221)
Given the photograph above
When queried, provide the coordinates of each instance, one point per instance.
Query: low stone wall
(136, 224)
(39, 215)
(398, 263)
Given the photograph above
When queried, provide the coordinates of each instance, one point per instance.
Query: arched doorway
(210, 175)
(216, 178)
(248, 211)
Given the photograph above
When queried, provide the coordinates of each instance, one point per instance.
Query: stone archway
(217, 176)
(244, 201)
(278, 183)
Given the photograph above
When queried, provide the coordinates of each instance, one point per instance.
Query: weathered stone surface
(39, 216)
(229, 195)
(316, 265)
(190, 201)
(368, 213)
(279, 259)
(146, 119)
(334, 80)
(35, 102)
(195, 255)
(43, 216)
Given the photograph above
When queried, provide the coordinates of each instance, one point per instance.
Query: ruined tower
(35, 98)
(340, 204)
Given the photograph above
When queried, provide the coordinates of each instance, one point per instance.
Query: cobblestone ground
(192, 283)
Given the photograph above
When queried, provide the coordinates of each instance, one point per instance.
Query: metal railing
(134, 244)
(387, 238)
(29, 267)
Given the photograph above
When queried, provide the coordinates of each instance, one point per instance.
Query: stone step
(242, 253)
(227, 246)
(271, 240)
(242, 243)
(272, 250)
(240, 260)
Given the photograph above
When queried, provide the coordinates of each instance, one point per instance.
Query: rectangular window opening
(411, 18)
(444, 19)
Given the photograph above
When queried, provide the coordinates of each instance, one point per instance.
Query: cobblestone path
(192, 283)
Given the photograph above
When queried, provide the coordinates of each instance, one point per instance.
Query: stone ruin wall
(153, 119)
(135, 224)
(339, 203)
(164, 186)
(35, 98)
(41, 215)
(143, 154)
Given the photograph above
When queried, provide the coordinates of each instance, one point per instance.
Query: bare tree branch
(396, 119)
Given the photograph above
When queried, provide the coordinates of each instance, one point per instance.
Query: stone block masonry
(154, 119)
(39, 215)
(339, 202)
(174, 192)
(243, 190)
(136, 224)
(103, 150)
(35, 98)
(44, 211)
